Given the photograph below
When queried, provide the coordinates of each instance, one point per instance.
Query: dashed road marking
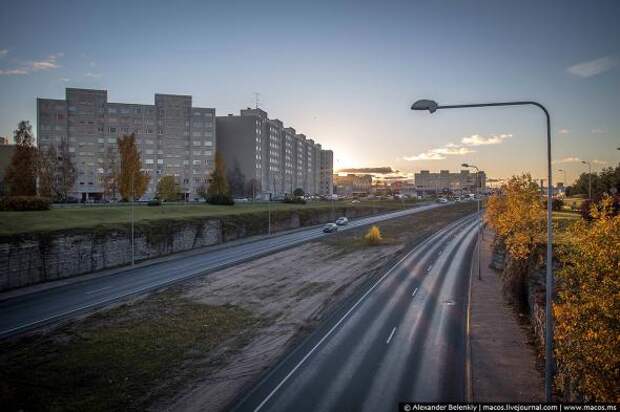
(391, 335)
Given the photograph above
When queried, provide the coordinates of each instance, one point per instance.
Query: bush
(297, 200)
(24, 203)
(220, 199)
(373, 237)
(154, 202)
(556, 204)
(586, 206)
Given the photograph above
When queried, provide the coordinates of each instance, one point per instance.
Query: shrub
(220, 199)
(556, 204)
(587, 204)
(154, 202)
(24, 203)
(373, 237)
(297, 200)
(587, 329)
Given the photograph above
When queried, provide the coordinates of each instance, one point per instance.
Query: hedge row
(24, 203)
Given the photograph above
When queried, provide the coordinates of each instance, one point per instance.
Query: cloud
(599, 162)
(599, 131)
(49, 63)
(93, 75)
(64, 79)
(477, 140)
(593, 67)
(13, 72)
(453, 149)
(571, 159)
(3, 52)
(563, 131)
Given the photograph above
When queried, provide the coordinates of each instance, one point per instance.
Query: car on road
(355, 201)
(330, 227)
(341, 221)
(442, 200)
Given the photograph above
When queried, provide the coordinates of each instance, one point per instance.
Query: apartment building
(173, 137)
(426, 181)
(326, 173)
(280, 159)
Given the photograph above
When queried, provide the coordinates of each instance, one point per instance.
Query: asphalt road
(404, 339)
(22, 313)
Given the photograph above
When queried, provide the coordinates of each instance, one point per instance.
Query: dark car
(330, 227)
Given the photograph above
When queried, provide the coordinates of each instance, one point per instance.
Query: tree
(299, 192)
(132, 182)
(168, 189)
(252, 188)
(236, 181)
(47, 171)
(218, 191)
(66, 173)
(110, 173)
(21, 174)
(587, 310)
(201, 190)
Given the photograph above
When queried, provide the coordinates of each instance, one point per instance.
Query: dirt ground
(271, 303)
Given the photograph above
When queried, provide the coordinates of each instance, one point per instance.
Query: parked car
(355, 201)
(341, 221)
(442, 200)
(330, 227)
(241, 200)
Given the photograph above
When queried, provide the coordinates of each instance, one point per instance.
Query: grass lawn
(86, 217)
(121, 359)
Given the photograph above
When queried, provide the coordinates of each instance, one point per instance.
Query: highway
(26, 312)
(403, 339)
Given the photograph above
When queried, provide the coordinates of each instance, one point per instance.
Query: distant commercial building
(277, 157)
(446, 181)
(173, 137)
(352, 184)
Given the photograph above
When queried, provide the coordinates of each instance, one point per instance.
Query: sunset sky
(344, 73)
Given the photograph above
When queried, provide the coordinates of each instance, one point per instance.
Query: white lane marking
(440, 252)
(391, 335)
(414, 292)
(428, 269)
(90, 292)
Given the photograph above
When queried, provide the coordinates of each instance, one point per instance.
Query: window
(160, 161)
(149, 161)
(112, 130)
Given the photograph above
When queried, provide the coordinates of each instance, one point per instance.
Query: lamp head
(464, 165)
(424, 104)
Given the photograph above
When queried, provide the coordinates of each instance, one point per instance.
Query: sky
(345, 73)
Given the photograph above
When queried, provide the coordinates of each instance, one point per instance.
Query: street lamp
(479, 218)
(589, 177)
(432, 107)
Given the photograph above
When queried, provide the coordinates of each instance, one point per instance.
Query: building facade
(173, 138)
(352, 184)
(426, 181)
(278, 158)
(326, 177)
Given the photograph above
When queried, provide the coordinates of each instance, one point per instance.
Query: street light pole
(589, 177)
(479, 217)
(432, 107)
(133, 255)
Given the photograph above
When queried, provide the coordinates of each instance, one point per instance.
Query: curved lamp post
(589, 177)
(432, 107)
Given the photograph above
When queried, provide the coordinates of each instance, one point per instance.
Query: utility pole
(133, 254)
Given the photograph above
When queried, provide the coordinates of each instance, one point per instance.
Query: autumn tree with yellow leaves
(587, 311)
(132, 182)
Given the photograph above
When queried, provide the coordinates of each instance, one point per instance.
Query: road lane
(392, 345)
(26, 312)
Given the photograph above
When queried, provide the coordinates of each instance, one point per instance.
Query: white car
(330, 227)
(341, 221)
(442, 200)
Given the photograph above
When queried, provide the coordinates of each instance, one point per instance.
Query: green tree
(236, 181)
(21, 174)
(168, 189)
(132, 182)
(218, 191)
(66, 173)
(47, 172)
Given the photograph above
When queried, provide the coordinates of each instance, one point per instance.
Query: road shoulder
(503, 360)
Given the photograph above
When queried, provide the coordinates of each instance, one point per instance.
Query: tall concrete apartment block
(173, 137)
(280, 159)
(326, 171)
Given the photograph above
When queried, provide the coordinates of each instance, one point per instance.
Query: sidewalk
(502, 360)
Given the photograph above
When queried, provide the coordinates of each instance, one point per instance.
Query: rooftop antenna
(257, 99)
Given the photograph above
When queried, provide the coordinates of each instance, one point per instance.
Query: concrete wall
(35, 258)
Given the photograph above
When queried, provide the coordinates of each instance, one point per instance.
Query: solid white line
(390, 337)
(428, 269)
(90, 292)
(414, 292)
